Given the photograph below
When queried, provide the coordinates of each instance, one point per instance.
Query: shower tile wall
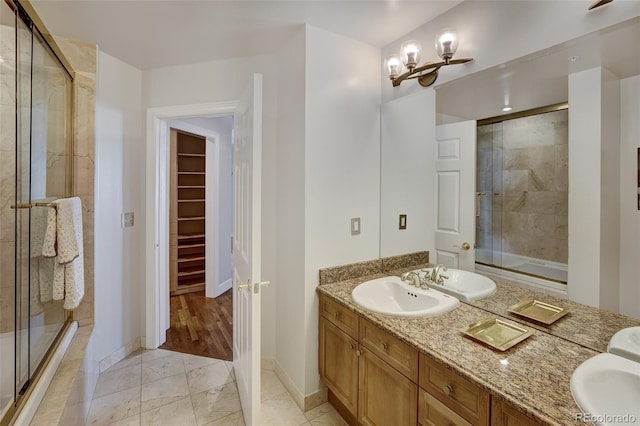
(522, 170)
(82, 57)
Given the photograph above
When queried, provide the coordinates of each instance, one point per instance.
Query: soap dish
(497, 333)
(545, 313)
(626, 343)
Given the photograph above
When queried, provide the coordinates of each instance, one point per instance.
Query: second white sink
(391, 296)
(607, 389)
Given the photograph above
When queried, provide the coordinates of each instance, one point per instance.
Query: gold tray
(539, 311)
(497, 333)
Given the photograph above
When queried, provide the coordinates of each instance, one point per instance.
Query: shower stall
(35, 168)
(522, 193)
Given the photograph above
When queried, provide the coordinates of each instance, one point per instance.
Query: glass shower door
(22, 202)
(50, 135)
(7, 199)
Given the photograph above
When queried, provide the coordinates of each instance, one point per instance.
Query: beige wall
(82, 57)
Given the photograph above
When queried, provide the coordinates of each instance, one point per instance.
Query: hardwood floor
(201, 326)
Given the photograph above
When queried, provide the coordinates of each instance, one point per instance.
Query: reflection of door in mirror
(522, 193)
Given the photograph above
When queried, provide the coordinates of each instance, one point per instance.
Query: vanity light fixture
(409, 58)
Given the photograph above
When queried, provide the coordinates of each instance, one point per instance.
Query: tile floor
(161, 387)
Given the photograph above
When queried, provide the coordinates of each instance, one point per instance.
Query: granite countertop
(585, 325)
(533, 376)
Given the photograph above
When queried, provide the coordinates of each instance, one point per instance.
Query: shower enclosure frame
(25, 13)
(562, 106)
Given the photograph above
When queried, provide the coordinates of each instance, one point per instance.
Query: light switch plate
(127, 219)
(402, 222)
(355, 226)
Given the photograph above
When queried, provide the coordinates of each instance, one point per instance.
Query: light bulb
(447, 43)
(393, 66)
(410, 53)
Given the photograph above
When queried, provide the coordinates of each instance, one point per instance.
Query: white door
(455, 195)
(247, 170)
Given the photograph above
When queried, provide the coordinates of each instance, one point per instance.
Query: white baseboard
(305, 403)
(225, 286)
(119, 355)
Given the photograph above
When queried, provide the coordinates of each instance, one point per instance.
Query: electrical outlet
(355, 226)
(127, 219)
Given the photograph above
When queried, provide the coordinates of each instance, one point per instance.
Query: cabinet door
(503, 414)
(386, 396)
(432, 412)
(339, 364)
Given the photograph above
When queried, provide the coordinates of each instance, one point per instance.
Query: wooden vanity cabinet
(466, 399)
(386, 397)
(357, 364)
(339, 364)
(432, 412)
(377, 379)
(503, 414)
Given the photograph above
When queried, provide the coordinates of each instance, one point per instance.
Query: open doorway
(200, 229)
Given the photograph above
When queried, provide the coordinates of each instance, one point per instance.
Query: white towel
(63, 239)
(42, 267)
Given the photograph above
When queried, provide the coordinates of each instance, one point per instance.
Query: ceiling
(540, 79)
(152, 34)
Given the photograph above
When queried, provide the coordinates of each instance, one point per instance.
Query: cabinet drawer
(396, 353)
(503, 414)
(465, 398)
(432, 412)
(339, 315)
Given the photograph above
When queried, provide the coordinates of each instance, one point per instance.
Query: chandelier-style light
(409, 58)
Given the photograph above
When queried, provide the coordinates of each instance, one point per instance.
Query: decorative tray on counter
(536, 310)
(497, 333)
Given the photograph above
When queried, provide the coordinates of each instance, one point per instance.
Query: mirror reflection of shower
(522, 193)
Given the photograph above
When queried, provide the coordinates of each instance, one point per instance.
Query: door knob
(464, 246)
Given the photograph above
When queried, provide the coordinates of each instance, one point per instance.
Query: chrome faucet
(436, 277)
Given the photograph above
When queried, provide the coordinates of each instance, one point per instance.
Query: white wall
(342, 165)
(290, 223)
(629, 213)
(494, 32)
(119, 187)
(407, 169)
(609, 193)
(219, 81)
(593, 245)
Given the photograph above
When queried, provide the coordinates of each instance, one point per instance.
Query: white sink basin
(391, 296)
(464, 285)
(607, 389)
(626, 343)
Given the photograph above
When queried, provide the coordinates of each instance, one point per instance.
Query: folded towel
(46, 267)
(63, 239)
(42, 270)
(69, 223)
(35, 305)
(49, 243)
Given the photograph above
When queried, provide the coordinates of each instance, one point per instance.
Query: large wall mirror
(525, 85)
